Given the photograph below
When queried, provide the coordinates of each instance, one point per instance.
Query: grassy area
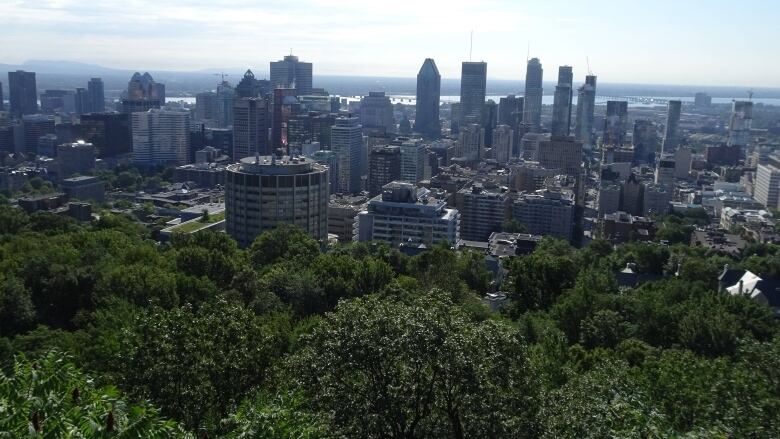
(197, 224)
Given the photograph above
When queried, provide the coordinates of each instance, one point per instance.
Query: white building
(161, 137)
(656, 200)
(413, 154)
(767, 184)
(503, 138)
(405, 214)
(346, 141)
(545, 213)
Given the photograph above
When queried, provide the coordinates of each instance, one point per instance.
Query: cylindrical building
(263, 192)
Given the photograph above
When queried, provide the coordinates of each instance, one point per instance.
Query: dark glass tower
(586, 104)
(671, 133)
(22, 93)
(473, 82)
(561, 119)
(532, 113)
(292, 73)
(250, 87)
(97, 97)
(426, 120)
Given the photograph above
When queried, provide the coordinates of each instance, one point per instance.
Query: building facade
(473, 85)
(291, 72)
(532, 109)
(161, 137)
(426, 119)
(347, 144)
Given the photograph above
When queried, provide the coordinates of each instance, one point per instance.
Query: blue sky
(702, 42)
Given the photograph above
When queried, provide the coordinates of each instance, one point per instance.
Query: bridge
(634, 99)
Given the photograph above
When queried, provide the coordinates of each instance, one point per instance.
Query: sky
(689, 42)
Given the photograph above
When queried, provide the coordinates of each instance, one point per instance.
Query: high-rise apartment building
(586, 105)
(503, 139)
(562, 153)
(290, 72)
(376, 113)
(22, 93)
(672, 131)
(482, 210)
(545, 213)
(205, 106)
(413, 156)
(532, 111)
(405, 214)
(615, 123)
(767, 183)
(384, 166)
(473, 84)
(426, 119)
(645, 140)
(471, 141)
(346, 141)
(564, 93)
(664, 173)
(251, 121)
(161, 137)
(264, 192)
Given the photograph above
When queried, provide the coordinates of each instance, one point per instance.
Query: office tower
(413, 155)
(405, 214)
(250, 87)
(562, 153)
(292, 73)
(376, 113)
(532, 111)
(225, 97)
(740, 123)
(664, 173)
(489, 121)
(473, 83)
(285, 108)
(22, 93)
(160, 137)
(483, 209)
(722, 155)
(631, 195)
(767, 183)
(529, 145)
(206, 106)
(347, 142)
(75, 158)
(142, 94)
(672, 134)
(81, 101)
(545, 213)
(57, 101)
(35, 126)
(2, 102)
(645, 140)
(702, 100)
(656, 199)
(503, 139)
(384, 166)
(615, 123)
(564, 93)
(250, 128)
(510, 112)
(264, 192)
(108, 132)
(426, 119)
(471, 141)
(586, 105)
(97, 96)
(682, 163)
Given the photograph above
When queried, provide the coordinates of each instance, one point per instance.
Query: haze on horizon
(697, 42)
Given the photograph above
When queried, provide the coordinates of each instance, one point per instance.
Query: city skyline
(683, 48)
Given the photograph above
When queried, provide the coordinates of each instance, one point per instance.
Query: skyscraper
(502, 143)
(347, 143)
(740, 123)
(250, 87)
(473, 83)
(161, 137)
(96, 96)
(510, 112)
(376, 113)
(586, 105)
(615, 123)
(532, 111)
(142, 94)
(285, 108)
(671, 134)
(292, 73)
(205, 106)
(471, 142)
(489, 120)
(645, 141)
(225, 96)
(384, 166)
(82, 102)
(561, 119)
(22, 93)
(2, 102)
(250, 128)
(426, 119)
(413, 155)
(109, 132)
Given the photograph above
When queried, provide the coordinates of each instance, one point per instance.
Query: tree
(285, 242)
(49, 397)
(17, 313)
(378, 368)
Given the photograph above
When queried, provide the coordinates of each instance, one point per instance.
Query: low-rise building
(342, 211)
(624, 227)
(483, 209)
(85, 188)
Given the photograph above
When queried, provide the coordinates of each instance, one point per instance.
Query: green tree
(286, 242)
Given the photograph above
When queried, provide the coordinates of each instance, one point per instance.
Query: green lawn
(197, 224)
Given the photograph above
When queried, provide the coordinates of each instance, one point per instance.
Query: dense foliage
(285, 339)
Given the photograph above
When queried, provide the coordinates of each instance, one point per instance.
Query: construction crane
(750, 94)
(221, 75)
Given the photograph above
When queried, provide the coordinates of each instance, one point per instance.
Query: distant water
(546, 100)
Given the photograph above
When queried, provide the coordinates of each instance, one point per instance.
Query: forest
(106, 333)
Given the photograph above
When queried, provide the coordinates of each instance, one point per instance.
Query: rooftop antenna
(528, 53)
(222, 75)
(471, 44)
(587, 61)
(750, 95)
